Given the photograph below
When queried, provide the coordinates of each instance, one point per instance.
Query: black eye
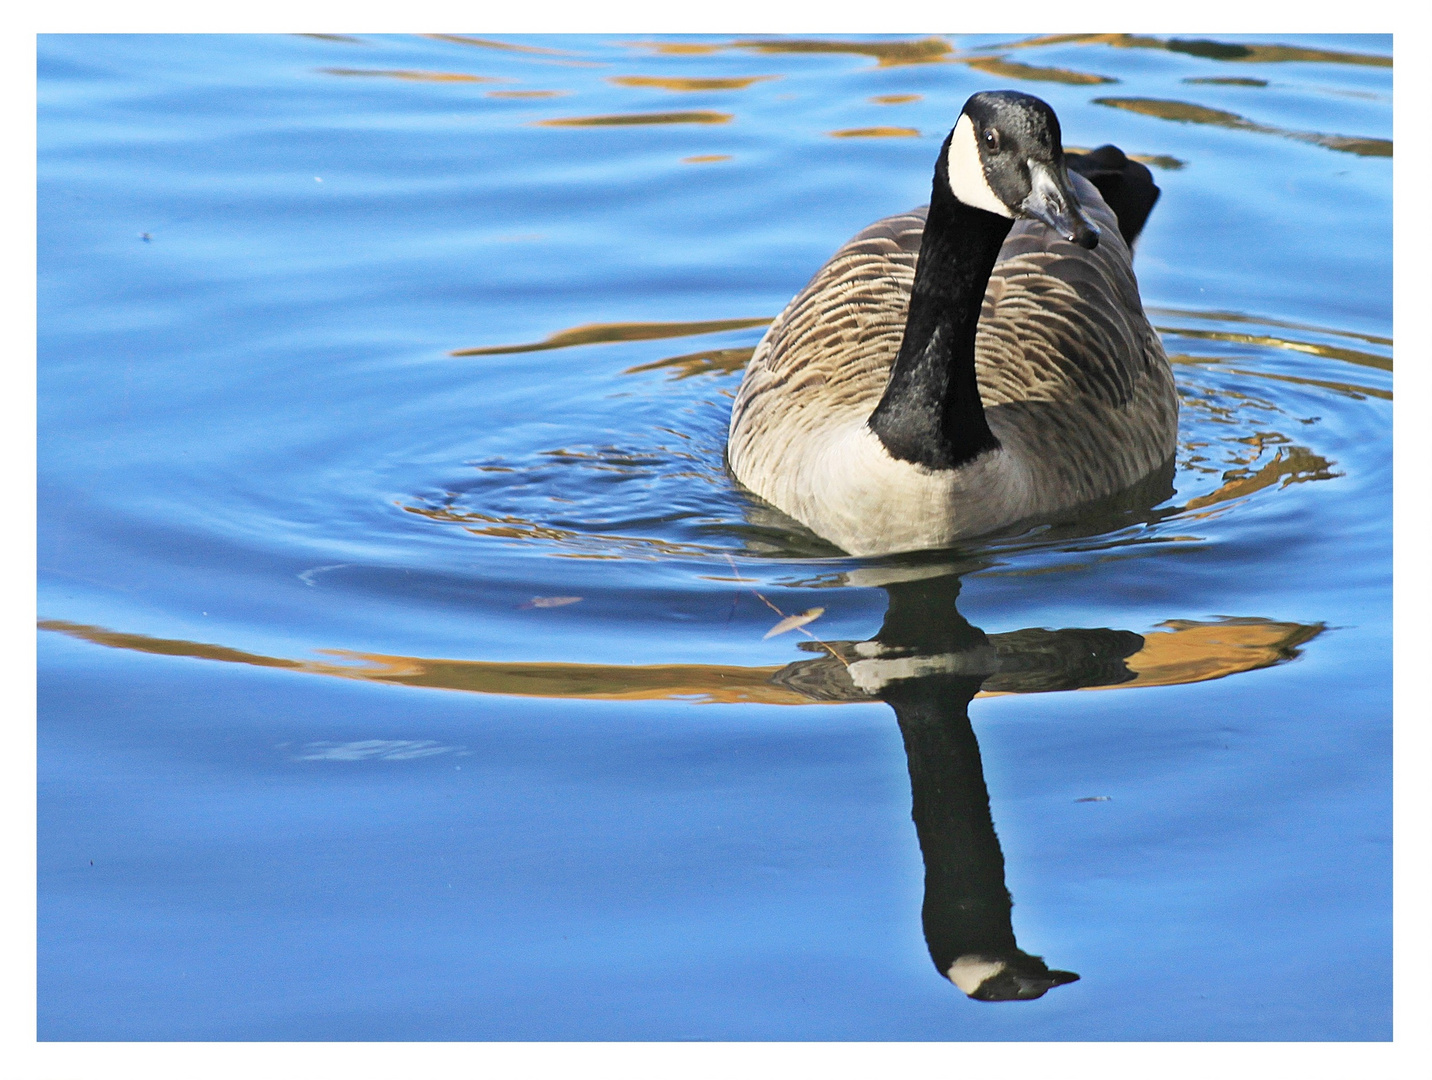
(991, 138)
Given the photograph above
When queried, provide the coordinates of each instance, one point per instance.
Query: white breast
(843, 484)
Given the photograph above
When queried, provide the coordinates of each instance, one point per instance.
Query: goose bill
(1051, 201)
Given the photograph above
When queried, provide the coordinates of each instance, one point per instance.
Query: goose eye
(991, 138)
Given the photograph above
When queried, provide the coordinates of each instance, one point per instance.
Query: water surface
(405, 668)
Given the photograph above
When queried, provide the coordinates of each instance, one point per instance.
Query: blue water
(274, 508)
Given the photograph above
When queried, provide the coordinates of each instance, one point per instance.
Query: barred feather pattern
(1075, 383)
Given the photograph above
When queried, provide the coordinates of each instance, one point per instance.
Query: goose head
(1005, 155)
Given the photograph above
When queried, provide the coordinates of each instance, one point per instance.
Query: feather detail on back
(1074, 381)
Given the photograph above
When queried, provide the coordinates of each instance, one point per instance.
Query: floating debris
(791, 622)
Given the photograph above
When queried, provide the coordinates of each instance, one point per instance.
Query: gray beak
(1052, 201)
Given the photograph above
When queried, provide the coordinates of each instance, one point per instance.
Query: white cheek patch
(969, 971)
(967, 176)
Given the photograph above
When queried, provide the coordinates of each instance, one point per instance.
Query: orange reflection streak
(1291, 464)
(1007, 69)
(627, 119)
(1187, 652)
(711, 362)
(415, 76)
(1185, 112)
(675, 48)
(1158, 161)
(600, 333)
(488, 43)
(1208, 50)
(1260, 320)
(1332, 352)
(875, 133)
(689, 85)
(930, 50)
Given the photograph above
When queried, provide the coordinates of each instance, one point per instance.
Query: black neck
(967, 906)
(931, 413)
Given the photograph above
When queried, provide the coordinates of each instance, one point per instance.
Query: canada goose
(970, 364)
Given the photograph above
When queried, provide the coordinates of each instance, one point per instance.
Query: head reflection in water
(927, 663)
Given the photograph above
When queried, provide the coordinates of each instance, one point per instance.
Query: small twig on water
(782, 614)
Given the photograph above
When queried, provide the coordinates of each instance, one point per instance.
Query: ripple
(413, 76)
(1008, 69)
(377, 750)
(629, 119)
(1181, 651)
(1157, 161)
(1206, 49)
(1232, 81)
(875, 133)
(710, 362)
(689, 85)
(1188, 113)
(599, 333)
(930, 50)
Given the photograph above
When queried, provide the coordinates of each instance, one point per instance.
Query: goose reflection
(927, 662)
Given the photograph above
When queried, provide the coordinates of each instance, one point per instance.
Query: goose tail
(1127, 186)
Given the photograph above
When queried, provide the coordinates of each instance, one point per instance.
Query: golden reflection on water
(875, 133)
(1007, 69)
(1187, 651)
(689, 85)
(415, 76)
(1185, 112)
(1332, 352)
(710, 362)
(895, 99)
(1204, 48)
(1290, 464)
(675, 48)
(627, 119)
(1226, 82)
(598, 333)
(1352, 390)
(704, 159)
(514, 527)
(1243, 466)
(1239, 317)
(488, 43)
(930, 50)
(1157, 161)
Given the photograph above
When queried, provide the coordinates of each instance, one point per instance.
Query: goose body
(1016, 377)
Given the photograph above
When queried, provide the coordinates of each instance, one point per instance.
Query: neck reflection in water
(927, 663)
